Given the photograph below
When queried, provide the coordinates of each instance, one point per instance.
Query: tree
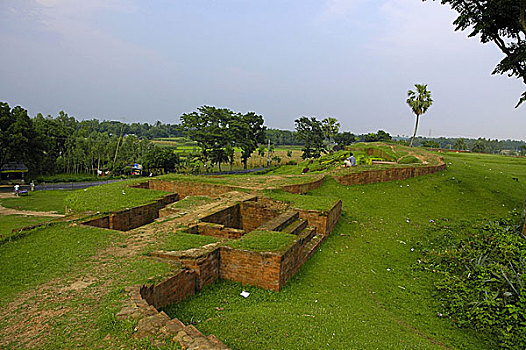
(430, 144)
(480, 146)
(248, 131)
(501, 22)
(18, 139)
(370, 137)
(419, 101)
(161, 158)
(383, 136)
(209, 128)
(345, 138)
(311, 132)
(330, 128)
(460, 144)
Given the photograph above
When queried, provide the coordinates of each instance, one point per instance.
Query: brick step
(296, 227)
(280, 222)
(310, 248)
(191, 338)
(307, 233)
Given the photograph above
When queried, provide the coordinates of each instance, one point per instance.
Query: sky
(355, 60)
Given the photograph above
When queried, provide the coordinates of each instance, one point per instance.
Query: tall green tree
(209, 128)
(330, 127)
(18, 139)
(419, 101)
(248, 131)
(310, 130)
(345, 138)
(501, 22)
(460, 144)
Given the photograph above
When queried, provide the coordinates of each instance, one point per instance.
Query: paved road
(60, 186)
(79, 185)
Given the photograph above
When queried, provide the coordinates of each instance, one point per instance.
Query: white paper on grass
(244, 294)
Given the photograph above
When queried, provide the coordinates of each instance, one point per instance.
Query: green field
(10, 222)
(363, 289)
(38, 201)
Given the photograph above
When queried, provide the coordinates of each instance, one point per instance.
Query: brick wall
(324, 222)
(393, 174)
(185, 189)
(256, 268)
(229, 217)
(206, 268)
(295, 257)
(172, 290)
(254, 214)
(103, 222)
(216, 230)
(128, 219)
(304, 188)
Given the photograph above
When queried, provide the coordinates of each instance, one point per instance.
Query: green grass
(247, 180)
(361, 290)
(110, 197)
(191, 202)
(263, 241)
(306, 201)
(10, 222)
(45, 254)
(184, 241)
(38, 201)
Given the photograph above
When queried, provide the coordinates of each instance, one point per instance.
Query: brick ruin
(232, 215)
(229, 216)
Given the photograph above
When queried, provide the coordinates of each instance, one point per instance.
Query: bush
(409, 160)
(482, 279)
(291, 162)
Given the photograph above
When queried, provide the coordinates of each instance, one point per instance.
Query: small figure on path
(32, 184)
(350, 161)
(17, 188)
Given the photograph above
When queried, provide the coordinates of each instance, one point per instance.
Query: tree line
(62, 144)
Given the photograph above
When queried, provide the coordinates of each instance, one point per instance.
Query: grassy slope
(62, 255)
(45, 254)
(39, 201)
(362, 290)
(10, 222)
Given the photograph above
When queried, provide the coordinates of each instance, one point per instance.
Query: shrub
(409, 160)
(482, 279)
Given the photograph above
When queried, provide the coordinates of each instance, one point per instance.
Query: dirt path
(9, 211)
(30, 319)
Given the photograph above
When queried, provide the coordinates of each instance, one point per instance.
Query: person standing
(17, 188)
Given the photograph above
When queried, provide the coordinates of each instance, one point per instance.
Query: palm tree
(419, 102)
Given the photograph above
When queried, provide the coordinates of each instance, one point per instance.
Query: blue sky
(351, 59)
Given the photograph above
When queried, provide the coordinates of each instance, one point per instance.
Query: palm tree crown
(419, 101)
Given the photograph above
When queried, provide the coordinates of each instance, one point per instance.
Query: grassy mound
(184, 241)
(110, 197)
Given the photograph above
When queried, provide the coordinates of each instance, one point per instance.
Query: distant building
(13, 171)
